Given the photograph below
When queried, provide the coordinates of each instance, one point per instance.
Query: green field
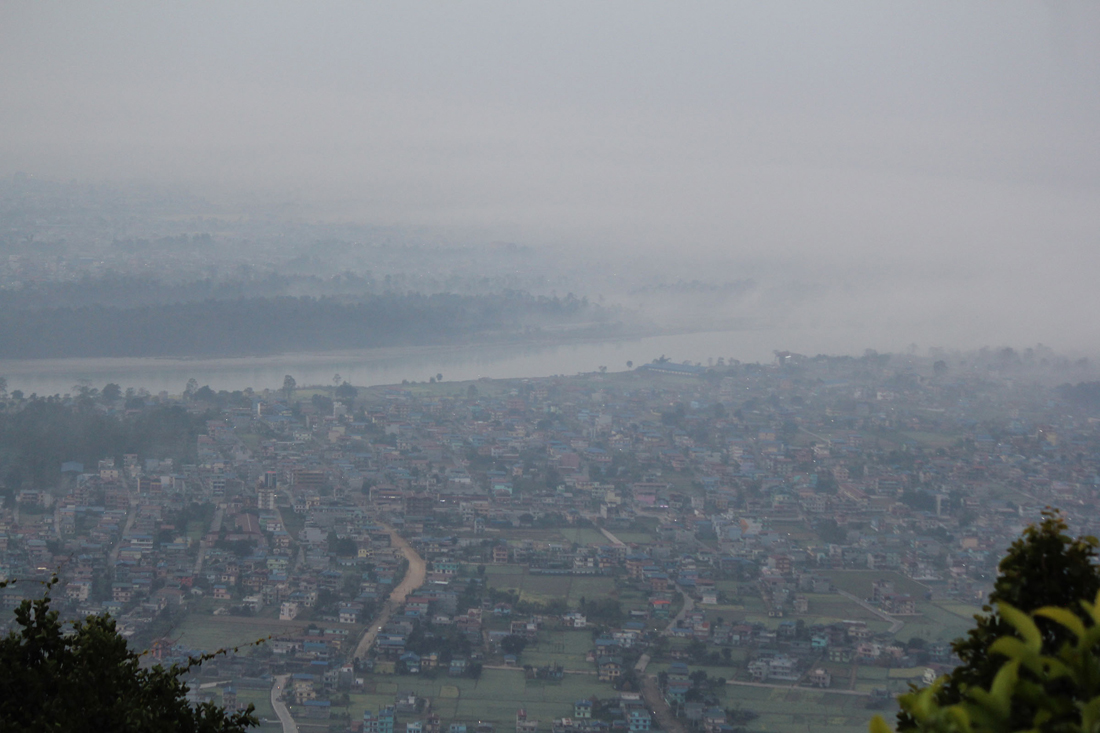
(584, 536)
(215, 632)
(567, 648)
(543, 588)
(858, 582)
(940, 622)
(629, 537)
(261, 699)
(800, 711)
(504, 570)
(494, 698)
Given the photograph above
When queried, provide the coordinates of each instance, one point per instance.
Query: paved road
(131, 515)
(414, 578)
(289, 726)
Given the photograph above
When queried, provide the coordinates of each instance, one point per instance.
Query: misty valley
(556, 367)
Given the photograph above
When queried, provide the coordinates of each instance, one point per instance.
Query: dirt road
(655, 701)
(414, 578)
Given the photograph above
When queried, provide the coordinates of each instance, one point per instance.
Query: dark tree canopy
(262, 325)
(1045, 567)
(85, 679)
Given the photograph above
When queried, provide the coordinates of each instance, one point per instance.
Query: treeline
(43, 433)
(131, 291)
(251, 326)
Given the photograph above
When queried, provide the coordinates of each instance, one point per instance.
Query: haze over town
(920, 173)
(584, 367)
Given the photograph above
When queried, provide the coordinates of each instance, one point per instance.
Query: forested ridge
(260, 325)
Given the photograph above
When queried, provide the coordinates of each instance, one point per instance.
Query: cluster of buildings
(685, 488)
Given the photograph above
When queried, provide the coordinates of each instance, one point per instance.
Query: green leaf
(878, 725)
(1003, 686)
(1090, 715)
(1024, 626)
(1064, 617)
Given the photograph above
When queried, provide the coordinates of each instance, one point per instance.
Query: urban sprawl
(681, 547)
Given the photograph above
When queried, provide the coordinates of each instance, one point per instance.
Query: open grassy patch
(859, 582)
(798, 711)
(210, 633)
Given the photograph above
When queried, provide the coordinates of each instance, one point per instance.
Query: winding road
(289, 726)
(414, 578)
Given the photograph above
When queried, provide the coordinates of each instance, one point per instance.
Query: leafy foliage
(1046, 568)
(1032, 690)
(87, 679)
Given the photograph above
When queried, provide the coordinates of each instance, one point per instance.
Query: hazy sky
(943, 156)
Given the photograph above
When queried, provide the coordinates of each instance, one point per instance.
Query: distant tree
(346, 392)
(289, 385)
(111, 392)
(439, 377)
(190, 389)
(321, 403)
(513, 644)
(342, 546)
(205, 394)
(629, 365)
(939, 368)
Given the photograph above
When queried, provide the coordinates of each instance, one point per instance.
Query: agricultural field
(261, 699)
(567, 648)
(939, 622)
(543, 588)
(858, 582)
(827, 608)
(210, 633)
(782, 710)
(493, 698)
(632, 537)
(584, 536)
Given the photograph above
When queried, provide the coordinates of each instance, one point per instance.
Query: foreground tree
(1032, 691)
(1045, 568)
(85, 678)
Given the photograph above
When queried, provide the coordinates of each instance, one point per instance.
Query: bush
(85, 679)
(1057, 692)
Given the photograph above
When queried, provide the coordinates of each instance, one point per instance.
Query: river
(392, 365)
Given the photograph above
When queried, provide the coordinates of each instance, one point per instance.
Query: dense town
(682, 547)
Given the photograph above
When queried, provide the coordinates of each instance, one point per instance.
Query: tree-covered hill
(253, 326)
